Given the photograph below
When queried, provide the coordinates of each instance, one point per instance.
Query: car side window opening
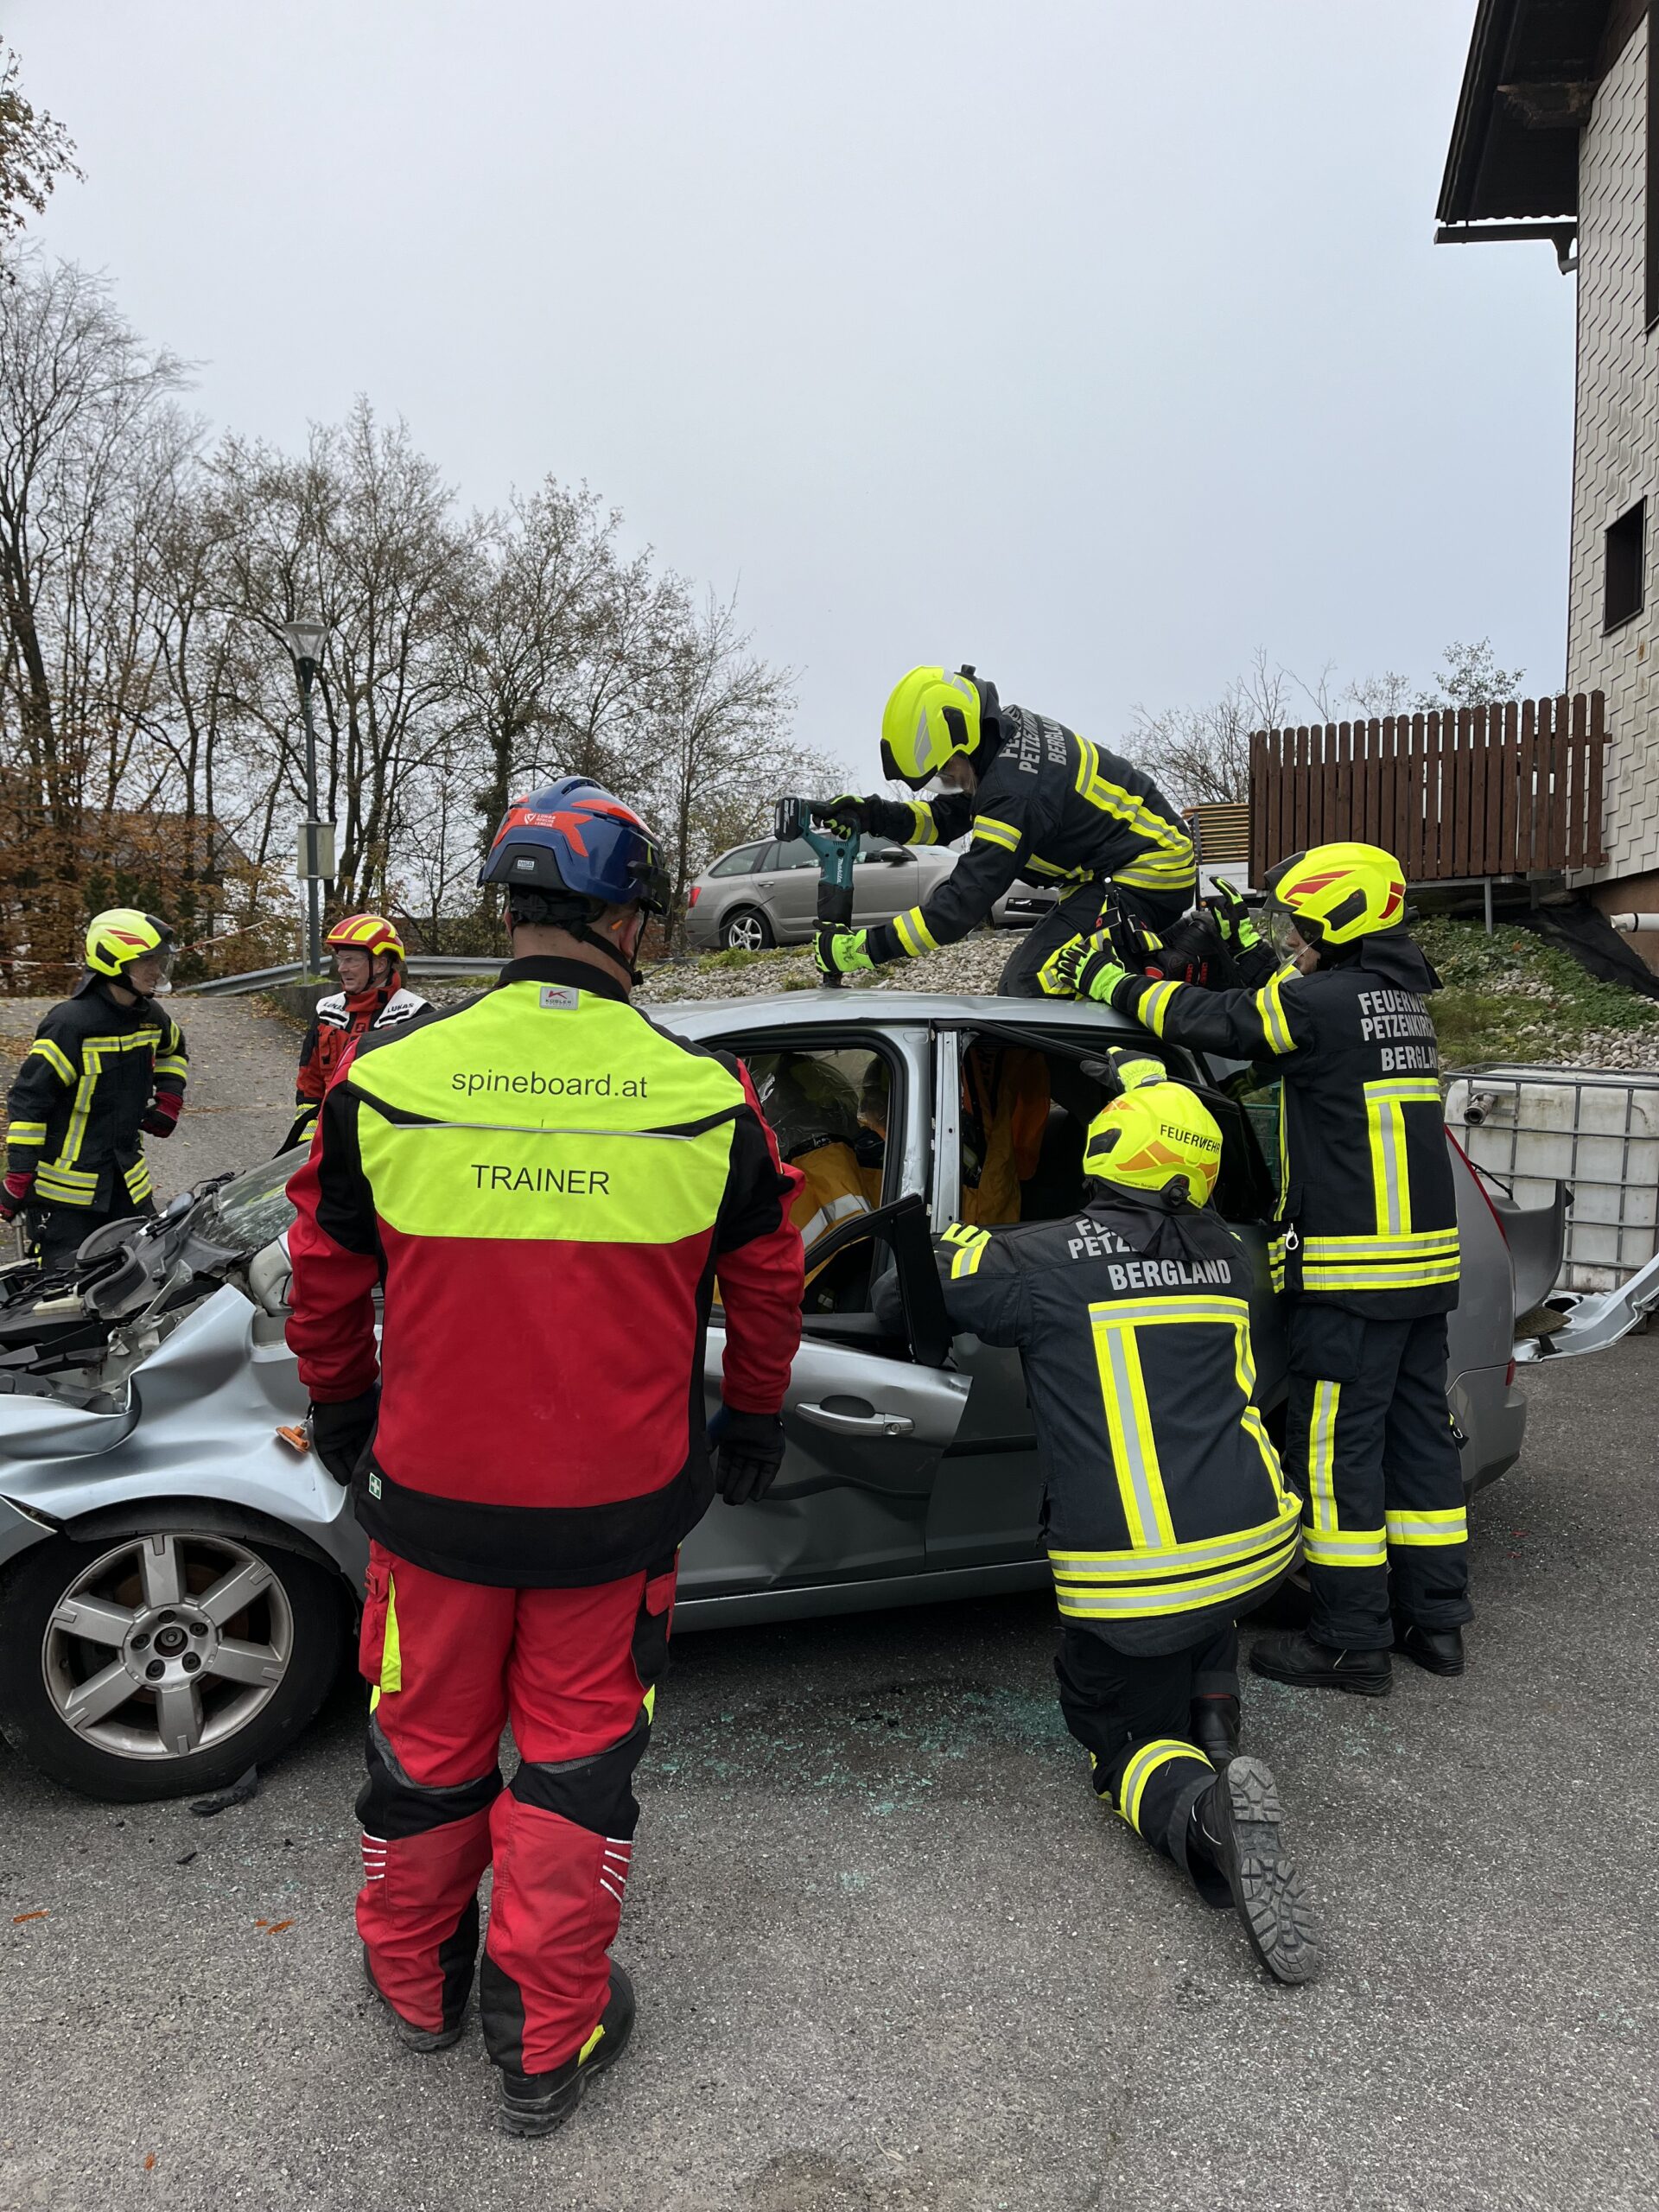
(1025, 1116)
(827, 1108)
(744, 862)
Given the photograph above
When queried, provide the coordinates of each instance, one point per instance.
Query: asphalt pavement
(891, 1954)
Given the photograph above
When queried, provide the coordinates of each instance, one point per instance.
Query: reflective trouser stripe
(391, 1650)
(1450, 1526)
(1140, 1769)
(1351, 1547)
(1322, 1455)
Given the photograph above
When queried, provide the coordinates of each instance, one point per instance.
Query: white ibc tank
(1597, 1129)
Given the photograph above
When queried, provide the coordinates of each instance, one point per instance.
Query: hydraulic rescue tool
(836, 846)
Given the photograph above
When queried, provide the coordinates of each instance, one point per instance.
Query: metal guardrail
(293, 971)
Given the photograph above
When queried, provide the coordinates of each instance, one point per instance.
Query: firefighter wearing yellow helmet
(1166, 1514)
(1365, 1247)
(1035, 801)
(107, 1067)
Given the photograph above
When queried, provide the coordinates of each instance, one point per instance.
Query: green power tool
(813, 821)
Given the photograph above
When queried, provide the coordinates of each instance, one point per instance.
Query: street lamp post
(305, 642)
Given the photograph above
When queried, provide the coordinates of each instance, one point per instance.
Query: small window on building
(1626, 548)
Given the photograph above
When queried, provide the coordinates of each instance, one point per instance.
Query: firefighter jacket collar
(1398, 959)
(578, 974)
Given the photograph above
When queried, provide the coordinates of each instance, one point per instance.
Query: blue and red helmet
(575, 839)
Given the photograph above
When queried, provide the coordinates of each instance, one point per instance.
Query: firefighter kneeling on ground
(368, 956)
(107, 1068)
(1365, 1250)
(543, 1183)
(1165, 1516)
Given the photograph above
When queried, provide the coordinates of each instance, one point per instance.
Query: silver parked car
(178, 1572)
(766, 894)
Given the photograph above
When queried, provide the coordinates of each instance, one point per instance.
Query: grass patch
(735, 956)
(1511, 997)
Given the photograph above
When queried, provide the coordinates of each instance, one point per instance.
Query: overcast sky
(1095, 343)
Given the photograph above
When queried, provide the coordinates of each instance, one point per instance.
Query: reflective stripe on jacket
(542, 1181)
(337, 1021)
(1166, 1512)
(76, 1101)
(1368, 1204)
(1050, 807)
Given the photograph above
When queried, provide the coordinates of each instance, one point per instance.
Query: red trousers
(452, 1662)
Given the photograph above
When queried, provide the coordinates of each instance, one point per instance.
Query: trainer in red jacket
(543, 1184)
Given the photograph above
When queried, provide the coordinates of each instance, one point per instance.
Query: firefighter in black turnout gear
(1165, 1514)
(1366, 1251)
(1035, 800)
(106, 1068)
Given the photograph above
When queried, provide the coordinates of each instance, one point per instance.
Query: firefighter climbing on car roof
(1165, 1513)
(107, 1067)
(1365, 1249)
(1035, 800)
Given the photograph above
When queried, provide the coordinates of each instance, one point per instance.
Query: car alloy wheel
(746, 932)
(167, 1644)
(157, 1661)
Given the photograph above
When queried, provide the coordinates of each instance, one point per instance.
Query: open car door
(868, 1419)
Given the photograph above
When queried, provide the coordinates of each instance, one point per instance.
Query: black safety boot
(409, 2035)
(535, 2104)
(1236, 1826)
(1215, 1728)
(1297, 1659)
(1439, 1649)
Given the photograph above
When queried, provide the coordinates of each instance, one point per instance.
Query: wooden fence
(1500, 791)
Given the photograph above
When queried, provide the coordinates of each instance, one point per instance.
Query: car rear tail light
(1509, 1376)
(1480, 1185)
(692, 900)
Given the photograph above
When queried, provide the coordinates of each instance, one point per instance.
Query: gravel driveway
(892, 1957)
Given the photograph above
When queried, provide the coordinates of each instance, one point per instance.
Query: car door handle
(870, 1424)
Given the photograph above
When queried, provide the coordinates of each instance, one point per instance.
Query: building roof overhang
(1528, 88)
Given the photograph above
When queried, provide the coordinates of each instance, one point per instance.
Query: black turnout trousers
(59, 1232)
(1132, 1714)
(1368, 1445)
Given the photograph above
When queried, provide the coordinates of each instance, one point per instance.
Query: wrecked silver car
(179, 1572)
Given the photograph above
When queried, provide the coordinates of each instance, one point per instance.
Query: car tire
(746, 929)
(262, 1670)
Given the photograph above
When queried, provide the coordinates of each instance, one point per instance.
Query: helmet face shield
(1283, 935)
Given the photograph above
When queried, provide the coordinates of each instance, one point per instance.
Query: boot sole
(410, 2036)
(527, 2122)
(1267, 1889)
(1431, 1666)
(1354, 1685)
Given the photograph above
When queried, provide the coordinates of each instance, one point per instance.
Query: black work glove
(748, 1451)
(341, 1433)
(846, 812)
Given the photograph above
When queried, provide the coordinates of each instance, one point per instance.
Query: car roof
(886, 1009)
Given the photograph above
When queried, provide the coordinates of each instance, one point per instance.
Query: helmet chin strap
(587, 934)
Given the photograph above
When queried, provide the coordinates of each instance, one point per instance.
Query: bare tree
(1200, 754)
